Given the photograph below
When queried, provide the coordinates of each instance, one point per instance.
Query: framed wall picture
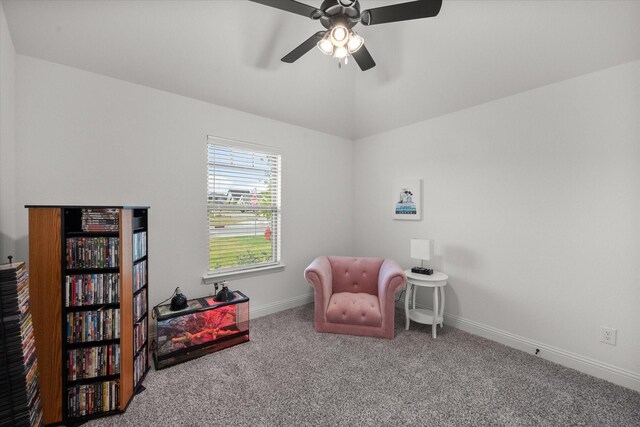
(407, 203)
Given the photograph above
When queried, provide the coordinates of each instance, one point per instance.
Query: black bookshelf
(140, 287)
(77, 400)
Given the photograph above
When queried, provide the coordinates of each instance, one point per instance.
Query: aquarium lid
(163, 312)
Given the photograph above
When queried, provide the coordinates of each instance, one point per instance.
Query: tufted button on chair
(355, 296)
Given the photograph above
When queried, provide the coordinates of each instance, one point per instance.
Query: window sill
(210, 279)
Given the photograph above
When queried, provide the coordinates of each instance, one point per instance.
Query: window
(243, 205)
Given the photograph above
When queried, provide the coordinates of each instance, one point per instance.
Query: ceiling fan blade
(401, 12)
(304, 47)
(292, 6)
(363, 58)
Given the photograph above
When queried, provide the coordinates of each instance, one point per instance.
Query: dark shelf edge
(135, 322)
(92, 234)
(142, 258)
(114, 377)
(92, 270)
(136, 292)
(89, 206)
(142, 347)
(76, 345)
(92, 307)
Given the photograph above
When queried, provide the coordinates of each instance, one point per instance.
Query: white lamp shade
(325, 46)
(339, 35)
(355, 42)
(421, 249)
(340, 52)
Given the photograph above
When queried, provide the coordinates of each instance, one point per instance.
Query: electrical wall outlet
(608, 335)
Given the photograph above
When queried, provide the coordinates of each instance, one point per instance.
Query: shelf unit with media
(89, 271)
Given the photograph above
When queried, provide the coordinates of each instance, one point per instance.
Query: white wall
(83, 138)
(532, 200)
(534, 204)
(7, 142)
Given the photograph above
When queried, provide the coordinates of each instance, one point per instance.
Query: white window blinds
(243, 200)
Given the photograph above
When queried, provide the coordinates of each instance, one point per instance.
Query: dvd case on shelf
(93, 325)
(139, 245)
(140, 305)
(92, 252)
(92, 289)
(139, 275)
(20, 399)
(103, 219)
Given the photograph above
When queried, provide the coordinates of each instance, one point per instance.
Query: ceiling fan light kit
(340, 42)
(340, 16)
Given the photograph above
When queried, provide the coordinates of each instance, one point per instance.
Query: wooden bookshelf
(45, 270)
(81, 260)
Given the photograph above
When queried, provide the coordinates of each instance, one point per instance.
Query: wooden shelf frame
(47, 253)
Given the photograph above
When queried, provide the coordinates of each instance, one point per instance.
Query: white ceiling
(228, 52)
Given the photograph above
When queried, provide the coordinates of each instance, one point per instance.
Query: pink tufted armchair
(355, 296)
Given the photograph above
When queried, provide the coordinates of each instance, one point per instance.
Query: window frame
(212, 276)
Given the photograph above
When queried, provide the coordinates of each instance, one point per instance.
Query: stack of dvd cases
(19, 391)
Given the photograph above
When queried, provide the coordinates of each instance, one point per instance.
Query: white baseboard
(275, 307)
(562, 357)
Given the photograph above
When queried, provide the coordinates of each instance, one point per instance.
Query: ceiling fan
(340, 16)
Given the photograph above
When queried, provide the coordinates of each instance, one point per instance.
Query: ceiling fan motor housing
(345, 12)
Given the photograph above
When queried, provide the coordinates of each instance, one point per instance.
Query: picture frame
(407, 200)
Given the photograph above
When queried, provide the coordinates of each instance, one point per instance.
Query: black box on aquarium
(204, 326)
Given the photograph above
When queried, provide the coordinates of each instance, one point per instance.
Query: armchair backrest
(355, 274)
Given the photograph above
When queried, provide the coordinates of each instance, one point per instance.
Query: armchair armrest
(390, 279)
(319, 275)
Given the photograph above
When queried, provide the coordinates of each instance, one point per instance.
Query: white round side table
(435, 281)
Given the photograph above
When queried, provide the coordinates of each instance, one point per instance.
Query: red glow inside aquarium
(204, 326)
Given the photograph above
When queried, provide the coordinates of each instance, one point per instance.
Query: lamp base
(422, 270)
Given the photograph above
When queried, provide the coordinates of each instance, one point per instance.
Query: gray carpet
(290, 375)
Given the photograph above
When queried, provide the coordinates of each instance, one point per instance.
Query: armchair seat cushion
(354, 309)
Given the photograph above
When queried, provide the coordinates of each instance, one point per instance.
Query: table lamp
(421, 249)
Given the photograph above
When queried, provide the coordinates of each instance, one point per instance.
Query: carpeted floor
(289, 375)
